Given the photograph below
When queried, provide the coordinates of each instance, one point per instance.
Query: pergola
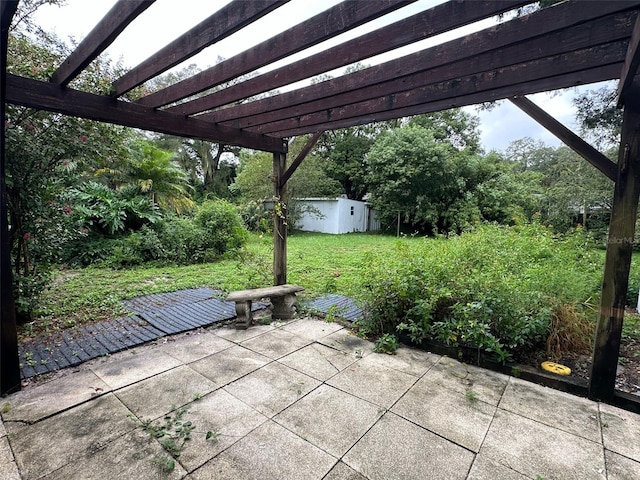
(573, 43)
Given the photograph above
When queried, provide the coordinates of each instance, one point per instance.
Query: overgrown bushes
(213, 231)
(496, 289)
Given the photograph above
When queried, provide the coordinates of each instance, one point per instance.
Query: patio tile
(534, 449)
(195, 346)
(229, 365)
(342, 471)
(373, 382)
(8, 467)
(132, 456)
(223, 414)
(232, 334)
(43, 447)
(484, 468)
(330, 419)
(621, 468)
(488, 386)
(406, 359)
(618, 426)
(397, 448)
(132, 366)
(318, 361)
(35, 403)
(447, 413)
(348, 342)
(276, 343)
(156, 396)
(272, 388)
(554, 408)
(313, 329)
(270, 452)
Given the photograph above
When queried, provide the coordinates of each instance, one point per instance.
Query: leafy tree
(44, 151)
(599, 118)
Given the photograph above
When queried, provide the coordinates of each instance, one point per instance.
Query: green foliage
(387, 343)
(495, 289)
(221, 226)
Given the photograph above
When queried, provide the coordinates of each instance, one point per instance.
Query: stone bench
(282, 297)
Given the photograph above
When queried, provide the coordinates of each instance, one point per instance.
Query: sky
(163, 22)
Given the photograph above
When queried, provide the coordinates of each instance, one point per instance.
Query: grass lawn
(321, 263)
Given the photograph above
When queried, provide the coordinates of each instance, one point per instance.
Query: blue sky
(162, 23)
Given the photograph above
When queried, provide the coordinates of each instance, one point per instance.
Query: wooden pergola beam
(618, 257)
(573, 141)
(597, 74)
(228, 20)
(508, 35)
(631, 63)
(51, 97)
(284, 178)
(279, 220)
(437, 20)
(571, 66)
(461, 66)
(342, 17)
(102, 35)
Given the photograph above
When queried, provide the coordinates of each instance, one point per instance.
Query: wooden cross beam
(630, 67)
(112, 24)
(573, 141)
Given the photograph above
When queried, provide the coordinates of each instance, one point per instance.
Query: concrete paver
(397, 448)
(306, 400)
(462, 419)
(330, 419)
(538, 450)
(554, 408)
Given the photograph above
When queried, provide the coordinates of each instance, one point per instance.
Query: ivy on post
(279, 220)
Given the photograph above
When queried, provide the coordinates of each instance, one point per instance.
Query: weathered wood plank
(340, 18)
(439, 19)
(496, 39)
(51, 97)
(618, 258)
(9, 360)
(631, 63)
(258, 293)
(280, 220)
(301, 156)
(573, 141)
(103, 34)
(598, 74)
(501, 78)
(229, 19)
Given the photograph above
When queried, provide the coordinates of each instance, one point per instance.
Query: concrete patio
(307, 400)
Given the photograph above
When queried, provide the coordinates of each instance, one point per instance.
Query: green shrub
(222, 227)
(495, 289)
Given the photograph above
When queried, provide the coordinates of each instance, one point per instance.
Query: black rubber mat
(337, 305)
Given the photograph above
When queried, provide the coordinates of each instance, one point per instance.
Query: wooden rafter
(439, 19)
(336, 20)
(112, 24)
(501, 80)
(51, 97)
(631, 63)
(573, 141)
(496, 44)
(593, 75)
(228, 20)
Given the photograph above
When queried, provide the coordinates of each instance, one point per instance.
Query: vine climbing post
(279, 220)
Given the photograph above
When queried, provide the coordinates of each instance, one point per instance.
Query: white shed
(338, 215)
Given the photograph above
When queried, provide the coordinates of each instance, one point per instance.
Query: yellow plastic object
(555, 368)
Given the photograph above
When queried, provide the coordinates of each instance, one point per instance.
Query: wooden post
(9, 361)
(618, 259)
(279, 220)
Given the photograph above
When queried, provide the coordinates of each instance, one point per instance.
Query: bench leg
(284, 306)
(244, 315)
